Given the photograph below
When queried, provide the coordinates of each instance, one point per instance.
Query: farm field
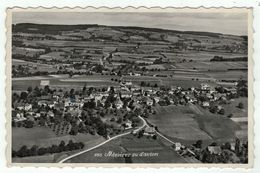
(43, 136)
(191, 123)
(52, 55)
(240, 116)
(208, 65)
(177, 121)
(228, 75)
(182, 83)
(34, 159)
(232, 108)
(219, 127)
(38, 67)
(131, 144)
(21, 84)
(199, 55)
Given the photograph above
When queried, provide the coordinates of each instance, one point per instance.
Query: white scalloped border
(131, 9)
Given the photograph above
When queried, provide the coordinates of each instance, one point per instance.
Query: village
(113, 110)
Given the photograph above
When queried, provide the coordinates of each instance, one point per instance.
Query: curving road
(92, 148)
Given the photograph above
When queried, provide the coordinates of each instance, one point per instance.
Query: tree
(62, 145)
(237, 147)
(23, 151)
(221, 111)
(33, 150)
(230, 116)
(28, 124)
(240, 105)
(213, 109)
(119, 121)
(198, 144)
(154, 137)
(23, 95)
(227, 146)
(29, 89)
(42, 151)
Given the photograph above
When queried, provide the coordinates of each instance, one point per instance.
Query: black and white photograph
(130, 87)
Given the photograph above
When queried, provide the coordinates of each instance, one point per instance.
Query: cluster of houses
(139, 95)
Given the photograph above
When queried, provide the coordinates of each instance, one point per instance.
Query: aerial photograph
(129, 87)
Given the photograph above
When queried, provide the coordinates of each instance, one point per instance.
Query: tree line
(35, 150)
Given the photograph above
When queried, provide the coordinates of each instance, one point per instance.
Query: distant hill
(55, 29)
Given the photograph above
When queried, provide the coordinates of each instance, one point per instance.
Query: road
(110, 139)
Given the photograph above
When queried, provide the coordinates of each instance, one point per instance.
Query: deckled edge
(251, 79)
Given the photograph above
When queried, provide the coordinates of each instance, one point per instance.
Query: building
(119, 104)
(214, 149)
(205, 87)
(149, 131)
(177, 146)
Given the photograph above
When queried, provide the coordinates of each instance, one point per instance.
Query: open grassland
(228, 75)
(52, 55)
(219, 127)
(38, 67)
(138, 145)
(192, 123)
(90, 157)
(43, 136)
(177, 121)
(21, 84)
(212, 66)
(34, 159)
(199, 55)
(180, 82)
(240, 116)
(232, 108)
(131, 144)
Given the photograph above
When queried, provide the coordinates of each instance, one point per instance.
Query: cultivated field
(43, 136)
(63, 81)
(131, 144)
(219, 127)
(177, 122)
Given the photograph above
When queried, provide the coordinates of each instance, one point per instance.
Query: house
(231, 90)
(149, 131)
(98, 97)
(50, 114)
(126, 94)
(44, 82)
(129, 83)
(205, 87)
(149, 101)
(214, 149)
(119, 104)
(157, 99)
(177, 146)
(128, 125)
(27, 107)
(136, 93)
(205, 104)
(59, 105)
(233, 146)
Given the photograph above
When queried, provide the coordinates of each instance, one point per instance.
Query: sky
(226, 23)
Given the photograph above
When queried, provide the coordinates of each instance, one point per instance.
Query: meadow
(63, 81)
(192, 123)
(131, 144)
(177, 121)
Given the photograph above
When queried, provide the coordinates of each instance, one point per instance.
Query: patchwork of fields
(62, 81)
